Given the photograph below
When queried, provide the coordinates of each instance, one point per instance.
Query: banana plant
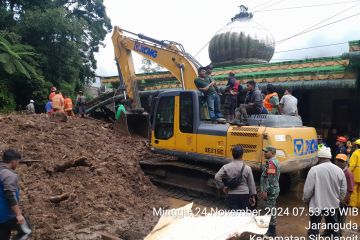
(17, 59)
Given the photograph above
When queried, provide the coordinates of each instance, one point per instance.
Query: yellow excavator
(180, 125)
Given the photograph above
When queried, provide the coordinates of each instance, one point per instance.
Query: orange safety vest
(58, 102)
(52, 94)
(68, 104)
(267, 103)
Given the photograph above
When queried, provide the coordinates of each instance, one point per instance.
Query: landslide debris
(82, 179)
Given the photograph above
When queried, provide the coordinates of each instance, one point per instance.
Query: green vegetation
(46, 43)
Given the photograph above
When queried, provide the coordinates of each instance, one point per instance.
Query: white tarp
(181, 223)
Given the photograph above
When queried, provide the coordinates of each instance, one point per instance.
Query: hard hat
(32, 101)
(53, 89)
(357, 142)
(342, 157)
(341, 139)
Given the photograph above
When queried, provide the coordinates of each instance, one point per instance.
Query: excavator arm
(167, 54)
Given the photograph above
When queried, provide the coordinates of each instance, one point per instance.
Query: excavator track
(189, 180)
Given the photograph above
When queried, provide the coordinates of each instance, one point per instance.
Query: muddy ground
(102, 183)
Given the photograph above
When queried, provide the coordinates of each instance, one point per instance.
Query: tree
(17, 58)
(20, 77)
(63, 35)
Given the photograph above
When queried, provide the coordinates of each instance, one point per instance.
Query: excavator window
(164, 118)
(204, 110)
(186, 112)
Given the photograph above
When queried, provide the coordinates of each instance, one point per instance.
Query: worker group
(61, 103)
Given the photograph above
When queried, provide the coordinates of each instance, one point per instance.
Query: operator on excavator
(253, 103)
(206, 85)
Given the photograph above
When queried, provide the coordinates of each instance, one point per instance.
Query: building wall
(331, 108)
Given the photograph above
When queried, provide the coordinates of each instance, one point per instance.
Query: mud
(107, 194)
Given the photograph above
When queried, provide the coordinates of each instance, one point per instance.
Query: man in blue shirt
(48, 107)
(10, 214)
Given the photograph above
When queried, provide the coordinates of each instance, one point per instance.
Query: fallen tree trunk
(29, 161)
(82, 161)
(59, 198)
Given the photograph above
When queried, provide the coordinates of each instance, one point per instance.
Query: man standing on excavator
(231, 93)
(207, 86)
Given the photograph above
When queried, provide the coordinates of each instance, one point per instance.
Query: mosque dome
(242, 41)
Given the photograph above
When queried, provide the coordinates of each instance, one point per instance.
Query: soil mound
(82, 179)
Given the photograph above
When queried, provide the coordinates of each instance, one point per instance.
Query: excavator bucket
(121, 125)
(133, 124)
(139, 124)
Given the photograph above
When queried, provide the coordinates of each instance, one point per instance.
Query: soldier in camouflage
(269, 186)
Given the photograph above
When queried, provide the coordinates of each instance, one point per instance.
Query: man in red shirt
(231, 93)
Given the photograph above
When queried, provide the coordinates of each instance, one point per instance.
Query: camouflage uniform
(269, 183)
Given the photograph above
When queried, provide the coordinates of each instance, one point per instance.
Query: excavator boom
(167, 54)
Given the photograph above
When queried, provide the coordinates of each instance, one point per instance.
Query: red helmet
(53, 89)
(341, 139)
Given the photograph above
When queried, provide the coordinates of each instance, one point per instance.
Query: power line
(201, 49)
(305, 6)
(309, 29)
(319, 46)
(271, 5)
(342, 19)
(262, 4)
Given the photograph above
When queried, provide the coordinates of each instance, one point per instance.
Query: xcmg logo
(145, 50)
(304, 147)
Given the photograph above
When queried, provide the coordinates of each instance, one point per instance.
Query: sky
(193, 23)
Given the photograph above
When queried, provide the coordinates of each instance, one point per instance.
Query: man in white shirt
(288, 104)
(325, 187)
(30, 108)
